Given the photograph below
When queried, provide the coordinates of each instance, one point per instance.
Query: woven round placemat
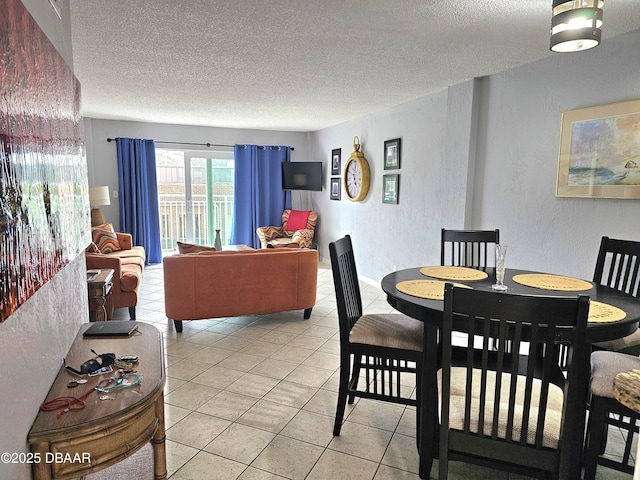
(602, 313)
(546, 281)
(453, 273)
(429, 289)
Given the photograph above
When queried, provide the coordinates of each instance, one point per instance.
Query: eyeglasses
(112, 384)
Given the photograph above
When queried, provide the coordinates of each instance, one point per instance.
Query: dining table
(617, 315)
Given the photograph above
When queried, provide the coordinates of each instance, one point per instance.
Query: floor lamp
(98, 196)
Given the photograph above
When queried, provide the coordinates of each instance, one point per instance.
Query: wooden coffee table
(106, 430)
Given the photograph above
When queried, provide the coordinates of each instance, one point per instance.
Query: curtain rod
(189, 143)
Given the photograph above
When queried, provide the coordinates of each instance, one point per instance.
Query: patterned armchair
(297, 230)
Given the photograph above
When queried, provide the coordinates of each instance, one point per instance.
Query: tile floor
(254, 397)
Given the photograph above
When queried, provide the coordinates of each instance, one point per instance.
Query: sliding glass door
(195, 196)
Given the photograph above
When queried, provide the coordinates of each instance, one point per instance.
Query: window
(195, 191)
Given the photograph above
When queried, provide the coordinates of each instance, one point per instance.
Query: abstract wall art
(44, 210)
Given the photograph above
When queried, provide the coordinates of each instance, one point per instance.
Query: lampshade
(575, 25)
(99, 196)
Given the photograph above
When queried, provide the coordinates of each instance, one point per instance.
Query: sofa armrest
(125, 240)
(266, 234)
(98, 261)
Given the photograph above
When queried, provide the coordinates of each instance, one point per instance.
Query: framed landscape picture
(392, 154)
(600, 152)
(390, 188)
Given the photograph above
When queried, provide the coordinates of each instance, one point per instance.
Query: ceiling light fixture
(576, 25)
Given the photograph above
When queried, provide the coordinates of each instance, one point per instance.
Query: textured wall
(102, 160)
(33, 342)
(484, 155)
(37, 336)
(517, 157)
(385, 235)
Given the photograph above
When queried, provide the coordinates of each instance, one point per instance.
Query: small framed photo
(390, 188)
(335, 188)
(392, 154)
(336, 153)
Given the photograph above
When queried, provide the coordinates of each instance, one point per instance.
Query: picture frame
(336, 155)
(392, 154)
(335, 188)
(390, 188)
(600, 152)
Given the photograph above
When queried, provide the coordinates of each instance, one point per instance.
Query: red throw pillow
(297, 220)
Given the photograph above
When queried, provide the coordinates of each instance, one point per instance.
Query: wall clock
(356, 174)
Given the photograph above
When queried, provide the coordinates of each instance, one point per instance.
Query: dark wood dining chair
(617, 267)
(510, 411)
(386, 348)
(604, 367)
(468, 248)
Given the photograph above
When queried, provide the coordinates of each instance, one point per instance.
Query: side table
(109, 428)
(100, 304)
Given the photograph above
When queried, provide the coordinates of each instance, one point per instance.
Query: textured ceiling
(298, 65)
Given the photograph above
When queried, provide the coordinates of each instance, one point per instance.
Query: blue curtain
(258, 195)
(138, 195)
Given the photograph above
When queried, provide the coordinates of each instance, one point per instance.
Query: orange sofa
(233, 283)
(128, 265)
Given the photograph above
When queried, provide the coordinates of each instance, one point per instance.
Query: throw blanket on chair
(297, 220)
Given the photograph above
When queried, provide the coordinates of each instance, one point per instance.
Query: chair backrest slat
(511, 378)
(618, 265)
(468, 248)
(345, 278)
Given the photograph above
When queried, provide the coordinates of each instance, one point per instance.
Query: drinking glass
(501, 253)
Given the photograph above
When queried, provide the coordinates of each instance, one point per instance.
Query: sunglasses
(90, 366)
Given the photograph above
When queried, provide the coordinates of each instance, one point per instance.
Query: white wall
(484, 155)
(102, 160)
(518, 157)
(34, 340)
(385, 235)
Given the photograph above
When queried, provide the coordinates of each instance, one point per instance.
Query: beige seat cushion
(458, 389)
(621, 343)
(605, 366)
(388, 330)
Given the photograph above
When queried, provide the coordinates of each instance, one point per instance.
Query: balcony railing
(174, 217)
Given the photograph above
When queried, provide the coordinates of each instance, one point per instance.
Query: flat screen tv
(302, 176)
